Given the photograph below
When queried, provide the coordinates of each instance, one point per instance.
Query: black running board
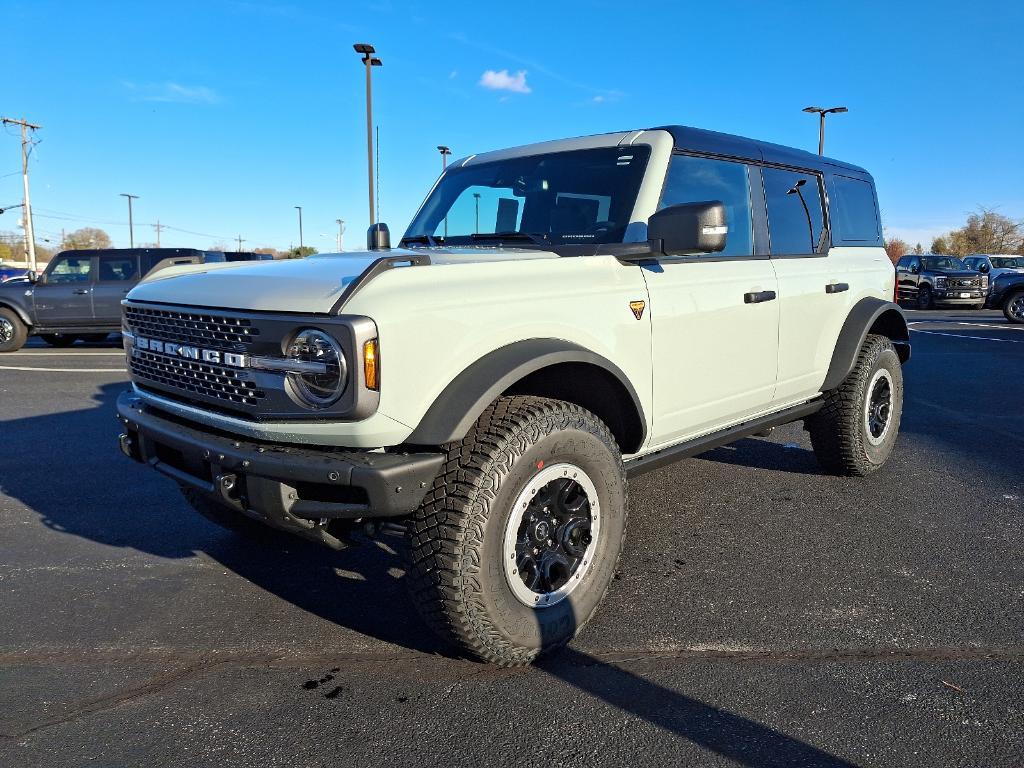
(658, 459)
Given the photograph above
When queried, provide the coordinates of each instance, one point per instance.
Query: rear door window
(698, 180)
(796, 218)
(117, 268)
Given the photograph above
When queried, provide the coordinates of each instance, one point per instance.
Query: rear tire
(94, 338)
(496, 540)
(924, 297)
(58, 339)
(855, 432)
(1013, 307)
(13, 332)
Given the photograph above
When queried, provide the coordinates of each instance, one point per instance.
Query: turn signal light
(371, 365)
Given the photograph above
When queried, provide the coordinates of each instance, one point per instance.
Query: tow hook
(128, 447)
(227, 488)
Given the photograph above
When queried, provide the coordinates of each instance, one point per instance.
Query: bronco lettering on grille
(173, 349)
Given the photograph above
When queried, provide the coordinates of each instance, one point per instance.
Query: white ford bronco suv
(557, 318)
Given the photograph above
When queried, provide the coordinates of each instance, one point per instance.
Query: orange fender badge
(638, 308)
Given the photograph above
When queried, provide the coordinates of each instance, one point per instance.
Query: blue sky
(222, 116)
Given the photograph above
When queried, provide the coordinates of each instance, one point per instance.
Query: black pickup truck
(79, 294)
(934, 280)
(1008, 295)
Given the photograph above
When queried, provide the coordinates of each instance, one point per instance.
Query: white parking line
(962, 336)
(1006, 327)
(63, 370)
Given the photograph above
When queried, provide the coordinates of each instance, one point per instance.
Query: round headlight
(318, 378)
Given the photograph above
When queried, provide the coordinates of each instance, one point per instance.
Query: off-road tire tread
(835, 430)
(449, 527)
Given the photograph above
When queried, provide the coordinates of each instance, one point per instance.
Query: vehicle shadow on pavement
(100, 496)
(737, 738)
(764, 454)
(92, 491)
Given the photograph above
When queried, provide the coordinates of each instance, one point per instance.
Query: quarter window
(70, 269)
(795, 212)
(854, 209)
(698, 179)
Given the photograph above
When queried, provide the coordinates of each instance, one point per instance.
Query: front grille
(966, 283)
(226, 384)
(191, 328)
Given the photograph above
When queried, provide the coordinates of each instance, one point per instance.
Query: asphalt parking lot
(764, 615)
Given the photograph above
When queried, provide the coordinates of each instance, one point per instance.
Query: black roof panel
(727, 145)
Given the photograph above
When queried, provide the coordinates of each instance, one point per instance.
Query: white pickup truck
(557, 318)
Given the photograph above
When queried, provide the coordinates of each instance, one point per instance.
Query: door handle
(837, 287)
(756, 297)
(81, 291)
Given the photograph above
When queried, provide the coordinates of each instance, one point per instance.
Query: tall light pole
(821, 112)
(341, 233)
(445, 151)
(476, 196)
(131, 224)
(370, 61)
(299, 209)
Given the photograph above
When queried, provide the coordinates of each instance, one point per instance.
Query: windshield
(580, 197)
(1008, 263)
(942, 262)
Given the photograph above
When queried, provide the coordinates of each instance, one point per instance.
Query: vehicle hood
(310, 285)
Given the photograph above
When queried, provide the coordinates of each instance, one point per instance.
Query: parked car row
(79, 294)
(932, 280)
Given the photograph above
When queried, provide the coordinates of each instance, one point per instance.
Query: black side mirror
(35, 278)
(689, 228)
(914, 269)
(983, 268)
(378, 238)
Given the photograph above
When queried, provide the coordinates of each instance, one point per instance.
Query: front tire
(13, 333)
(924, 297)
(516, 543)
(855, 431)
(1013, 307)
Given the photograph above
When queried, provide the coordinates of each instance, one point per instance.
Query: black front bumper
(290, 487)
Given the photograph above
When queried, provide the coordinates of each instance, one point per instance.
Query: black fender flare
(865, 315)
(456, 409)
(18, 311)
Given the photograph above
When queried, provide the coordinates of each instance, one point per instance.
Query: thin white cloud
(173, 92)
(503, 81)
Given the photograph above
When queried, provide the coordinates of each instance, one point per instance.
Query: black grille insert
(227, 384)
(192, 328)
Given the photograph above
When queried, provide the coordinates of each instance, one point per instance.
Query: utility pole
(341, 233)
(821, 122)
(30, 234)
(131, 224)
(370, 61)
(299, 209)
(240, 241)
(158, 226)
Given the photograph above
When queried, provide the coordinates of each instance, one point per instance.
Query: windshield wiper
(527, 237)
(425, 239)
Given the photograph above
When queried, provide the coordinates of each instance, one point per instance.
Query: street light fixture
(341, 232)
(445, 151)
(476, 199)
(131, 225)
(370, 61)
(821, 112)
(299, 209)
